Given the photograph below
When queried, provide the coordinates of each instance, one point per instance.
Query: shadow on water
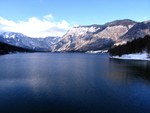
(130, 69)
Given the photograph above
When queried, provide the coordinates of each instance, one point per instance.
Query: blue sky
(69, 13)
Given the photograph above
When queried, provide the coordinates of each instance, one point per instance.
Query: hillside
(139, 45)
(21, 40)
(93, 37)
(6, 48)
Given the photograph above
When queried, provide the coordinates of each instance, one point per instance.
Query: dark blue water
(73, 83)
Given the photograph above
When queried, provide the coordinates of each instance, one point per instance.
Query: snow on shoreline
(98, 51)
(136, 56)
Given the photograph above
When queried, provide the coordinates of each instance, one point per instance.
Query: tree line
(136, 46)
(6, 48)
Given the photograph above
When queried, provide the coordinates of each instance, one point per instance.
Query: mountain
(20, 40)
(93, 37)
(138, 30)
(6, 48)
(83, 38)
(138, 45)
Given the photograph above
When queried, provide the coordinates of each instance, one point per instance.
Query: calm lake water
(73, 83)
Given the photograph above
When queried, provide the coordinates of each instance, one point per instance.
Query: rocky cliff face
(93, 37)
(138, 30)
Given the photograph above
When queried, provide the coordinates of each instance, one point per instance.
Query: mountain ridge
(21, 40)
(93, 37)
(83, 38)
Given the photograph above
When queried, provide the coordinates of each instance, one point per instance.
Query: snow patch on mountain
(20, 40)
(77, 31)
(93, 37)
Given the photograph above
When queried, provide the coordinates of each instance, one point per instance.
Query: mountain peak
(12, 34)
(96, 37)
(123, 22)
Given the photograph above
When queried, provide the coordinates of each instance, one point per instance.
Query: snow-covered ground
(137, 56)
(98, 51)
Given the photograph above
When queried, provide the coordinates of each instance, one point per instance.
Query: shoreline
(136, 56)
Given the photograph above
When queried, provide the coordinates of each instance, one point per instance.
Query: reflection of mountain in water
(129, 70)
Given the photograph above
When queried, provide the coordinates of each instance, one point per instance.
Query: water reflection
(72, 83)
(50, 73)
(129, 70)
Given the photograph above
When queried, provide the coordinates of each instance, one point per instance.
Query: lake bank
(136, 56)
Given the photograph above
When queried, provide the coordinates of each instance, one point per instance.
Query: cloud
(35, 27)
(48, 17)
(145, 17)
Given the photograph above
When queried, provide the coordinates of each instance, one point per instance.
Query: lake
(73, 83)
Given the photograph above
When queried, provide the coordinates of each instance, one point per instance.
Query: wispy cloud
(34, 27)
(145, 17)
(48, 17)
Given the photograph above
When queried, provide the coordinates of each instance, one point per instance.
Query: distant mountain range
(82, 38)
(20, 40)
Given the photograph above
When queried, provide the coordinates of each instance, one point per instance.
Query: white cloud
(145, 17)
(48, 17)
(35, 27)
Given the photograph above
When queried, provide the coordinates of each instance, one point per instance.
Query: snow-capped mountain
(138, 30)
(93, 37)
(20, 40)
(83, 38)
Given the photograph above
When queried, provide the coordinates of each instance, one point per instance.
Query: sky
(41, 18)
